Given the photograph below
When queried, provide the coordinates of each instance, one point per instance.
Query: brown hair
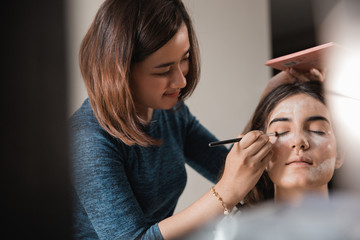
(264, 188)
(125, 32)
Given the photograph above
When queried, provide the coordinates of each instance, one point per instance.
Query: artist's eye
(162, 74)
(185, 59)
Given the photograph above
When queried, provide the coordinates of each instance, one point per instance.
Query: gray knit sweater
(122, 192)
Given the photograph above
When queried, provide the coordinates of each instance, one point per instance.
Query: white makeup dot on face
(305, 150)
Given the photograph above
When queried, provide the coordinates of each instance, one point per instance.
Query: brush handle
(234, 140)
(215, 144)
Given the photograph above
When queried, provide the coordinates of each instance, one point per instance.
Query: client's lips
(172, 93)
(300, 160)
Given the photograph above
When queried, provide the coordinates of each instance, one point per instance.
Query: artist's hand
(291, 75)
(244, 166)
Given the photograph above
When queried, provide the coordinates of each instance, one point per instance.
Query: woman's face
(305, 153)
(158, 79)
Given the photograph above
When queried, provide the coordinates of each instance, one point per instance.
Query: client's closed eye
(281, 133)
(317, 132)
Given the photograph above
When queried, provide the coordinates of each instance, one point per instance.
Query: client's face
(305, 153)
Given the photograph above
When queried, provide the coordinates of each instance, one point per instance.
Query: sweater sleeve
(105, 196)
(205, 160)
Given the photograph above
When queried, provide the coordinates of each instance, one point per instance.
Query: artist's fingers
(323, 72)
(290, 76)
(313, 75)
(249, 139)
(317, 75)
(260, 147)
(265, 161)
(263, 152)
(300, 77)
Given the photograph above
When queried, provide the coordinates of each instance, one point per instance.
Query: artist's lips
(299, 161)
(172, 93)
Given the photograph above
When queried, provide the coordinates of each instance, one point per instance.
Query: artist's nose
(299, 142)
(179, 77)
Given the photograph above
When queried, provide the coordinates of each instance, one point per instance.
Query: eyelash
(282, 133)
(316, 132)
(186, 59)
(162, 74)
(167, 72)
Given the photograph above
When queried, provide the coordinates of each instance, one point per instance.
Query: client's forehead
(299, 106)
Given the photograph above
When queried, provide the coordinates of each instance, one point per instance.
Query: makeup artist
(132, 137)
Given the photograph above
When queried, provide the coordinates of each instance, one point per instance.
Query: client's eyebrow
(317, 118)
(279, 120)
(309, 119)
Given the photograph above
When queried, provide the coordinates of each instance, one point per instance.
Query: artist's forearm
(244, 165)
(198, 214)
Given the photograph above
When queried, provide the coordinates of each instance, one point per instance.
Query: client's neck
(297, 195)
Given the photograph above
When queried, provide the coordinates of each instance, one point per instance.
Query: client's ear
(339, 158)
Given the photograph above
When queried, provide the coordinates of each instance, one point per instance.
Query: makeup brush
(233, 140)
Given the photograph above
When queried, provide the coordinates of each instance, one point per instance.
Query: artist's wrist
(228, 193)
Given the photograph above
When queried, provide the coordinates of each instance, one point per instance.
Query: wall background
(234, 38)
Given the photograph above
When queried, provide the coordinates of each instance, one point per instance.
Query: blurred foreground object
(314, 219)
(341, 24)
(35, 170)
